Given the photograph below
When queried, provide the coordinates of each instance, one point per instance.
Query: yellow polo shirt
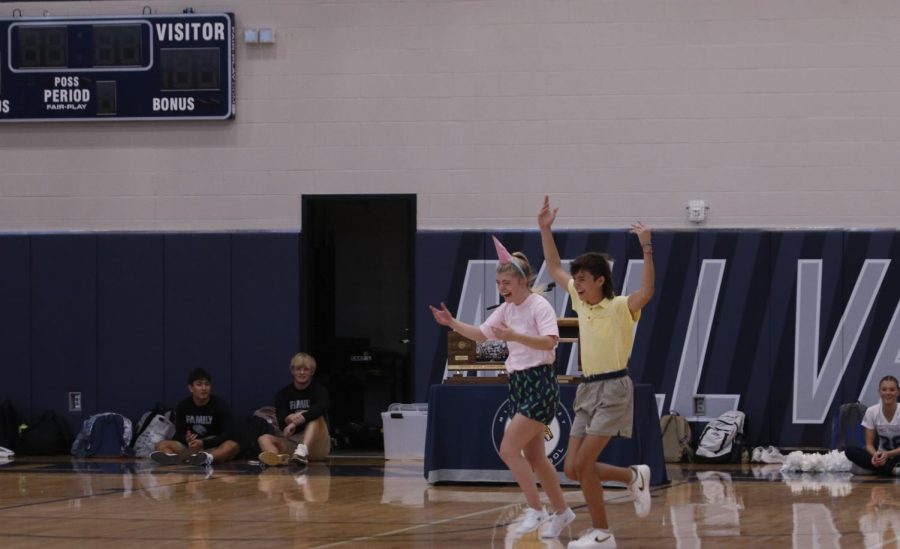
(605, 333)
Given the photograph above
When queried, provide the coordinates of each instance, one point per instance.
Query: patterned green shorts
(534, 393)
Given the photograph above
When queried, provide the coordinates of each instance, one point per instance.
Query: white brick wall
(778, 114)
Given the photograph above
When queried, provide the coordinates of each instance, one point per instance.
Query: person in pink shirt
(527, 323)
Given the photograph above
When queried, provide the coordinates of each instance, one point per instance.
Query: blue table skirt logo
(556, 435)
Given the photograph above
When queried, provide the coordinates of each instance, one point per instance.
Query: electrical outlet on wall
(75, 401)
(699, 405)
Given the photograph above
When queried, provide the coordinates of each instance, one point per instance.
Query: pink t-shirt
(534, 316)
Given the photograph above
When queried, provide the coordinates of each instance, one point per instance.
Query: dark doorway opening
(357, 320)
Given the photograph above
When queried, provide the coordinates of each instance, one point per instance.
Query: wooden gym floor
(367, 502)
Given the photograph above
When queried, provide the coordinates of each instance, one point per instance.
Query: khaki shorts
(604, 408)
(321, 446)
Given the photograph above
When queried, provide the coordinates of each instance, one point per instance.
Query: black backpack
(48, 436)
(9, 426)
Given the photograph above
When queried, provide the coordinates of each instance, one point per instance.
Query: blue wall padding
(63, 321)
(122, 318)
(197, 311)
(265, 316)
(15, 321)
(130, 335)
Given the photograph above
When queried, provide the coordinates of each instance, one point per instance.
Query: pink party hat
(505, 257)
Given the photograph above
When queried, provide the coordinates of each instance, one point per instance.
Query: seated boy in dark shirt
(300, 408)
(203, 427)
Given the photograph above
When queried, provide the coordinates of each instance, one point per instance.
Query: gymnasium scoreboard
(143, 67)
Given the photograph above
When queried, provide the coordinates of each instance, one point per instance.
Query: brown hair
(597, 264)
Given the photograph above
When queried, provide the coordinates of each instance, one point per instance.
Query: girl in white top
(881, 456)
(527, 322)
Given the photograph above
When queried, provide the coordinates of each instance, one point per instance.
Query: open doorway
(358, 283)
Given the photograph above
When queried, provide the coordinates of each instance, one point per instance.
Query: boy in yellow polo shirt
(604, 401)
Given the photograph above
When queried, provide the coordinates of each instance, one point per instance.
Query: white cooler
(404, 430)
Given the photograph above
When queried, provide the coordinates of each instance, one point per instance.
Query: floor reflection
(297, 488)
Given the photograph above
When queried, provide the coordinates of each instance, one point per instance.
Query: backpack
(103, 435)
(261, 422)
(154, 426)
(48, 436)
(9, 426)
(676, 438)
(846, 426)
(722, 440)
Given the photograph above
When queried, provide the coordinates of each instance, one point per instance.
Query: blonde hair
(520, 268)
(303, 359)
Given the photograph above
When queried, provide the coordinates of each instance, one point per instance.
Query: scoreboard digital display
(147, 67)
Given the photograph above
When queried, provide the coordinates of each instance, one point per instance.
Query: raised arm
(443, 317)
(639, 298)
(551, 255)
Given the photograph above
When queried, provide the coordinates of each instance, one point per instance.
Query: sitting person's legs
(313, 443)
(317, 439)
(170, 452)
(863, 459)
(225, 451)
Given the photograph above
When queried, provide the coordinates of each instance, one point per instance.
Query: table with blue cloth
(466, 424)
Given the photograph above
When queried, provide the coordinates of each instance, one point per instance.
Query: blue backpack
(846, 426)
(103, 435)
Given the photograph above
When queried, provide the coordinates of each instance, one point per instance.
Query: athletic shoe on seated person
(300, 456)
(164, 458)
(557, 522)
(640, 489)
(594, 539)
(272, 459)
(531, 520)
(201, 459)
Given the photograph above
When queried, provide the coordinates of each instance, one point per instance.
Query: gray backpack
(722, 440)
(155, 427)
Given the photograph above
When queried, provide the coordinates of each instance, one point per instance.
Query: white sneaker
(6, 452)
(640, 489)
(532, 519)
(300, 455)
(594, 539)
(201, 459)
(771, 455)
(557, 523)
(756, 456)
